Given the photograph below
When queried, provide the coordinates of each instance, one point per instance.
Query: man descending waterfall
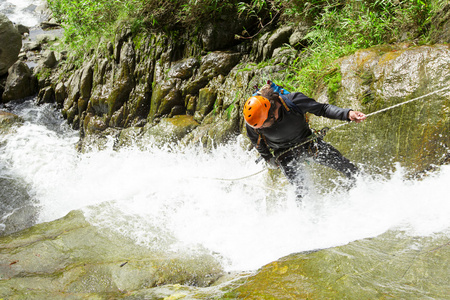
(278, 128)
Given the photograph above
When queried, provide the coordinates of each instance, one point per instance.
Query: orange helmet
(256, 111)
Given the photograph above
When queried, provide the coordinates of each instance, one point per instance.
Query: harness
(317, 134)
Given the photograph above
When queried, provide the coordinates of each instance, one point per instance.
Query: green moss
(333, 82)
(44, 74)
(228, 111)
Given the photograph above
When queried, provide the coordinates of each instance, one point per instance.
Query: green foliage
(342, 27)
(333, 81)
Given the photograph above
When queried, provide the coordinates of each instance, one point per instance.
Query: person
(277, 126)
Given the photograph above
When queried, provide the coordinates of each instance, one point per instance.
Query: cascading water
(23, 12)
(177, 200)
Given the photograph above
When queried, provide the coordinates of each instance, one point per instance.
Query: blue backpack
(289, 105)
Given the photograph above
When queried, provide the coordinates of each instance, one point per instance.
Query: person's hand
(272, 163)
(356, 116)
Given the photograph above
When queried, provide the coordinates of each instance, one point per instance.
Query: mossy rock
(7, 120)
(70, 256)
(169, 130)
(377, 268)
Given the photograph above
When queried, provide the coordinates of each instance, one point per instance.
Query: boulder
(10, 45)
(7, 119)
(298, 37)
(22, 29)
(277, 39)
(20, 83)
(264, 47)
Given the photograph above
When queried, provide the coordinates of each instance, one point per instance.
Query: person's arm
(310, 105)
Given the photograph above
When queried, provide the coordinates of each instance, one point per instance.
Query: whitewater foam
(22, 11)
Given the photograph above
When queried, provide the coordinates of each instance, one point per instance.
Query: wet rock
(278, 38)
(31, 46)
(110, 48)
(46, 38)
(164, 97)
(169, 130)
(90, 260)
(184, 69)
(7, 119)
(20, 83)
(297, 38)
(46, 95)
(129, 137)
(218, 63)
(122, 35)
(381, 77)
(50, 25)
(365, 269)
(94, 124)
(70, 108)
(60, 94)
(206, 99)
(86, 80)
(48, 60)
(10, 45)
(264, 47)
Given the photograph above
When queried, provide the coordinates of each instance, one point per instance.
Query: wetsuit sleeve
(262, 147)
(307, 104)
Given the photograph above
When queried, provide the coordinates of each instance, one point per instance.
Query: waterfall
(174, 199)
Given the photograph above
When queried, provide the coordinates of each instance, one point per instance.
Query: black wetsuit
(291, 129)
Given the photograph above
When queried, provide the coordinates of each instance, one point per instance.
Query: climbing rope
(396, 105)
(321, 133)
(232, 179)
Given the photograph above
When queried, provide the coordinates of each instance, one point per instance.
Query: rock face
(10, 45)
(415, 134)
(71, 257)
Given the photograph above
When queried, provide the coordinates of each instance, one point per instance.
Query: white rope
(232, 179)
(396, 105)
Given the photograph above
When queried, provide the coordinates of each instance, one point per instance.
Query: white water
(170, 201)
(22, 11)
